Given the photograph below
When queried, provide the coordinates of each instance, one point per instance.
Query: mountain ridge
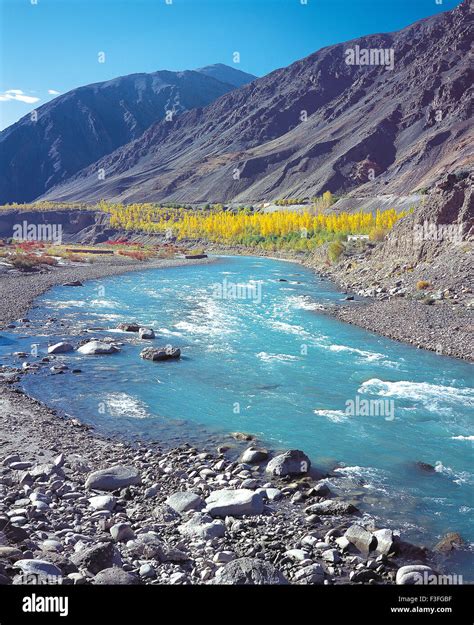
(79, 127)
(359, 118)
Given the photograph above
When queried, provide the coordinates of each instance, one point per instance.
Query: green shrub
(335, 249)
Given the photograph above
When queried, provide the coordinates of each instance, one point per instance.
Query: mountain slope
(84, 124)
(407, 126)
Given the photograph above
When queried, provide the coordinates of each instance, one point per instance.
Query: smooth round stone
(18, 520)
(40, 505)
(36, 496)
(17, 512)
(22, 503)
(103, 502)
(20, 466)
(146, 570)
(51, 545)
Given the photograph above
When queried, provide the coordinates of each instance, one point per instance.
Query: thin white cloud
(18, 95)
(53, 92)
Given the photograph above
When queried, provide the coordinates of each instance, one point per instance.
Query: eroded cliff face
(434, 244)
(73, 226)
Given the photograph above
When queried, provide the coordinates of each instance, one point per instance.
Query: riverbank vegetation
(299, 230)
(285, 230)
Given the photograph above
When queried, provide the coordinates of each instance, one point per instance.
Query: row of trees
(222, 226)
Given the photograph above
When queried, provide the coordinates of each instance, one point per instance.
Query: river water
(259, 357)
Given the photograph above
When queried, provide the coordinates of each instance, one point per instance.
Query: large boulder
(292, 462)
(360, 538)
(98, 557)
(146, 333)
(384, 541)
(450, 541)
(160, 353)
(60, 348)
(184, 500)
(413, 574)
(202, 526)
(249, 572)
(331, 506)
(238, 502)
(113, 478)
(311, 574)
(92, 348)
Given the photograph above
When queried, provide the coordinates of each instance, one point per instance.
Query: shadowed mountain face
(319, 124)
(79, 127)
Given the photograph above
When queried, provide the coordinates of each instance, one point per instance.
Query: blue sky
(53, 45)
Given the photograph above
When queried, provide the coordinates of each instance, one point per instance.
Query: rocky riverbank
(76, 508)
(18, 290)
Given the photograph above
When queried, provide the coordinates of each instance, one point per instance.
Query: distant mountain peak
(227, 74)
(79, 127)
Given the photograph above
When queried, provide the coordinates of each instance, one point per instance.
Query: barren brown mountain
(406, 126)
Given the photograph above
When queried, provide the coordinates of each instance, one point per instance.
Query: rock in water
(146, 333)
(450, 541)
(234, 503)
(115, 577)
(60, 348)
(97, 347)
(128, 327)
(425, 467)
(292, 462)
(184, 501)
(249, 572)
(242, 436)
(160, 353)
(113, 478)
